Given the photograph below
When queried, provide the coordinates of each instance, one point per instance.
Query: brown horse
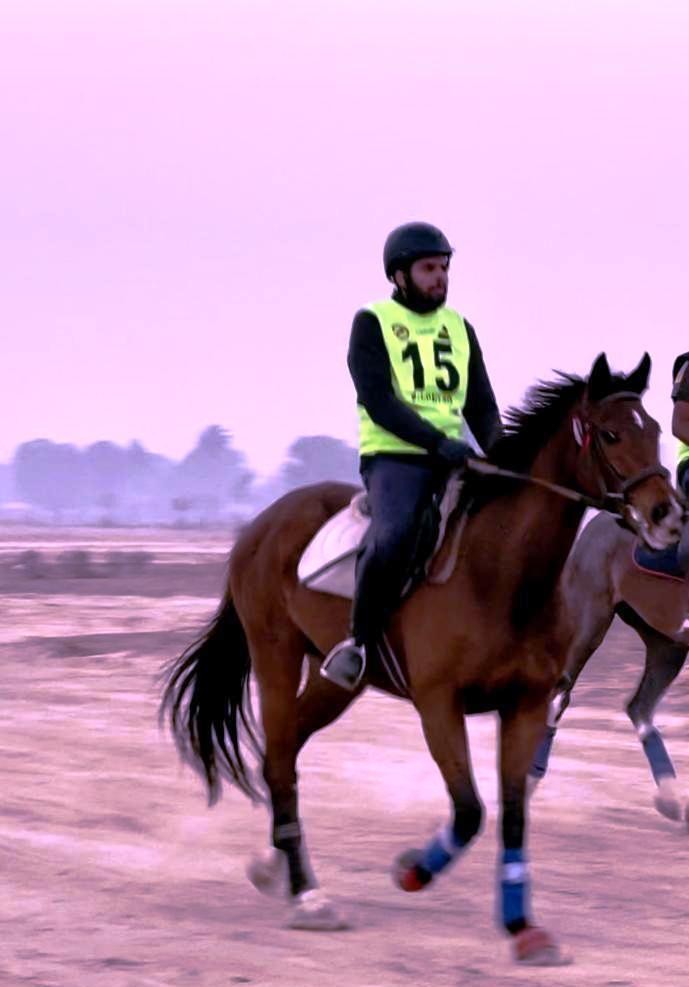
(602, 579)
(492, 637)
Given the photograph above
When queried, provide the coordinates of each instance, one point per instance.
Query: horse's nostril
(660, 512)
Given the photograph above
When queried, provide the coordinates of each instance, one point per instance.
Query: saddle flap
(667, 562)
(328, 561)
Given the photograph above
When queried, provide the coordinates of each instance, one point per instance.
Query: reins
(587, 438)
(606, 503)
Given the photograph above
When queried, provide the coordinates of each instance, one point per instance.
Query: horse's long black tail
(206, 699)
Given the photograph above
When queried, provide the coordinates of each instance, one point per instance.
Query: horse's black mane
(526, 430)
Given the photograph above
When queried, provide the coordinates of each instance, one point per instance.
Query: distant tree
(213, 473)
(148, 473)
(106, 473)
(130, 482)
(314, 458)
(50, 475)
(6, 482)
(181, 506)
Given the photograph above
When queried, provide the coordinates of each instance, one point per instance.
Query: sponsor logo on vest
(400, 331)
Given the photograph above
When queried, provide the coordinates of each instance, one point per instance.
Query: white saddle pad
(328, 561)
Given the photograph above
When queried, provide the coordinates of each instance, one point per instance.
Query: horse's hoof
(408, 874)
(535, 947)
(667, 801)
(268, 872)
(314, 911)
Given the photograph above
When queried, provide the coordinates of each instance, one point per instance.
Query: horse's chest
(534, 666)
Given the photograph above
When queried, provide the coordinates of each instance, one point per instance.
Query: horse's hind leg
(664, 661)
(320, 704)
(277, 661)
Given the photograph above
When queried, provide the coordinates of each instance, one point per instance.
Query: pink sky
(195, 194)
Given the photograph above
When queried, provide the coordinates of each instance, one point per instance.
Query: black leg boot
(346, 663)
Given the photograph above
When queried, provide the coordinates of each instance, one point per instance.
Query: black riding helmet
(409, 242)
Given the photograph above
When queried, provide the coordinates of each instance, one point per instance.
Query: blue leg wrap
(514, 887)
(441, 851)
(539, 765)
(657, 756)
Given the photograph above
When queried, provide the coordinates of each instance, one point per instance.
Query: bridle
(587, 437)
(592, 441)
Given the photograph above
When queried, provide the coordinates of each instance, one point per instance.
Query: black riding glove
(454, 452)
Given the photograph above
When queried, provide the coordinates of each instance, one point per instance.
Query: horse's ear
(600, 379)
(637, 381)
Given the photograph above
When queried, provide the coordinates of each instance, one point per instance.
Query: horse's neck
(549, 522)
(539, 529)
(527, 533)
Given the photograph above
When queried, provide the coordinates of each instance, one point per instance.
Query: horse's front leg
(442, 717)
(521, 729)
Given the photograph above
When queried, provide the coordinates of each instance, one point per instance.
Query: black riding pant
(683, 484)
(683, 476)
(399, 493)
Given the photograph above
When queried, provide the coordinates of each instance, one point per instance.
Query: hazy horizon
(195, 198)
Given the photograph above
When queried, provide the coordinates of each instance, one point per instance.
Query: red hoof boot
(408, 874)
(535, 947)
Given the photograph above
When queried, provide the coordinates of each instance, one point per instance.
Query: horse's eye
(609, 437)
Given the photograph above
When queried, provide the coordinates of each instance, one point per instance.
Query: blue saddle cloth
(664, 562)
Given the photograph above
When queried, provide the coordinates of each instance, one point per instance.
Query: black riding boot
(346, 663)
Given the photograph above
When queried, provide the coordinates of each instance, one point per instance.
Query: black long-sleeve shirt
(369, 365)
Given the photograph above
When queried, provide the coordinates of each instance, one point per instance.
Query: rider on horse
(680, 418)
(419, 374)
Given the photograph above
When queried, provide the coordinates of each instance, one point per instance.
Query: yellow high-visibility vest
(429, 361)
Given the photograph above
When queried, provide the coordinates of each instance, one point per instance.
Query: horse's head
(618, 452)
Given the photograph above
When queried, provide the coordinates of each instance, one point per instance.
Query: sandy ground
(115, 873)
